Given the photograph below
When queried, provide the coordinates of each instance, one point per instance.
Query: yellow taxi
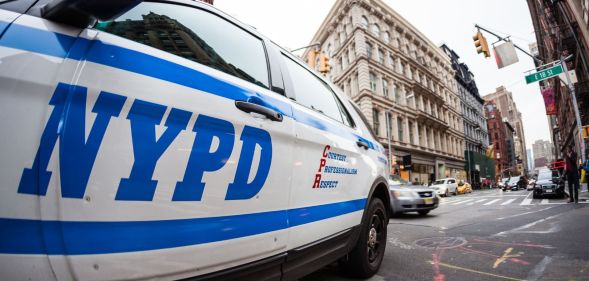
(463, 187)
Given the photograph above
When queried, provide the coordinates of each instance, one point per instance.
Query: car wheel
(423, 212)
(447, 193)
(365, 259)
(535, 196)
(455, 192)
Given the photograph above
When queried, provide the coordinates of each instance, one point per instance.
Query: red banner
(549, 101)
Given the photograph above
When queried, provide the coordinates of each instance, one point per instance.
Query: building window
(386, 37)
(400, 128)
(368, 50)
(396, 93)
(376, 30)
(364, 22)
(390, 124)
(385, 88)
(410, 132)
(375, 121)
(380, 56)
(372, 79)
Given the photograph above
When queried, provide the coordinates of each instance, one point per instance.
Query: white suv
(445, 187)
(167, 140)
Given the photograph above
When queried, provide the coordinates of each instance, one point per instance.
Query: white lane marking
(482, 200)
(538, 270)
(544, 202)
(527, 201)
(491, 202)
(519, 229)
(526, 213)
(508, 201)
(462, 202)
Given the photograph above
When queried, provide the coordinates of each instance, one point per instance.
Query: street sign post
(544, 74)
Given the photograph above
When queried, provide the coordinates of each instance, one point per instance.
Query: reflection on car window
(196, 35)
(439, 182)
(312, 92)
(397, 180)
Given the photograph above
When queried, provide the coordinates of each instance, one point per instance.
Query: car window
(196, 35)
(312, 92)
(439, 182)
(451, 181)
(545, 176)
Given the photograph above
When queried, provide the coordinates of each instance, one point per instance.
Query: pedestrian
(572, 174)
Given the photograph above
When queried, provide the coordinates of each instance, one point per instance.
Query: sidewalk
(583, 193)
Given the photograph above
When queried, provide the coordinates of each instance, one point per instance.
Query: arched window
(376, 30)
(386, 37)
(364, 22)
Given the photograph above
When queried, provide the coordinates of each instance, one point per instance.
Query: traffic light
(324, 66)
(312, 58)
(481, 44)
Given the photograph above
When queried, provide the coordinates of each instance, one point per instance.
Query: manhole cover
(437, 243)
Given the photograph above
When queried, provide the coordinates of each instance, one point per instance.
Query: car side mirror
(82, 13)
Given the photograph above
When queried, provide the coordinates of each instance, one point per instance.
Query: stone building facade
(401, 81)
(504, 101)
(478, 166)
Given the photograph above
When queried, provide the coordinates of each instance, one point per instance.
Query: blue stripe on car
(58, 45)
(23, 236)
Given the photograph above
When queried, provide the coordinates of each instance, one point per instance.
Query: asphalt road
(486, 235)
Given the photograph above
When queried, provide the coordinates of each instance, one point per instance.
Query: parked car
(167, 140)
(464, 187)
(512, 184)
(445, 187)
(549, 183)
(407, 197)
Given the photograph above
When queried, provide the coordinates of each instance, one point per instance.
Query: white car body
(123, 161)
(445, 186)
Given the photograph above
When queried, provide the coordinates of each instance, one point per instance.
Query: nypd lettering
(66, 128)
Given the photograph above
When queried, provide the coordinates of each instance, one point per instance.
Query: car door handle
(362, 144)
(252, 107)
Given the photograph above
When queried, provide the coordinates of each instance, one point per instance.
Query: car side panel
(27, 83)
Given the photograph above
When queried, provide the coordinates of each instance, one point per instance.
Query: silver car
(407, 197)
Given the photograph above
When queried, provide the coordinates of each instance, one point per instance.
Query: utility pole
(571, 90)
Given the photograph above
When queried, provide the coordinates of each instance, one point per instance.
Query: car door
(334, 165)
(172, 147)
(34, 59)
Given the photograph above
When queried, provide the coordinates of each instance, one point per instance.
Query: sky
(292, 24)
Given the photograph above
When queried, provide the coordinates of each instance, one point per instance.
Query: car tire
(534, 196)
(365, 259)
(423, 213)
(447, 193)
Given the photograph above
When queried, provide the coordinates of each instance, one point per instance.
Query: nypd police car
(166, 140)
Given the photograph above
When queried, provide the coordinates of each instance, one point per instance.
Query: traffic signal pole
(570, 87)
(505, 39)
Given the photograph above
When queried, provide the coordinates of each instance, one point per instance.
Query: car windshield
(514, 180)
(545, 176)
(439, 182)
(397, 180)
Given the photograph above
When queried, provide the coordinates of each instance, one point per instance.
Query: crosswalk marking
(482, 200)
(527, 201)
(508, 202)
(491, 202)
(461, 202)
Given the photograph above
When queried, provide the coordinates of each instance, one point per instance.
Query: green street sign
(544, 74)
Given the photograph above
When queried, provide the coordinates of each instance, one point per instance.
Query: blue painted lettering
(144, 116)
(201, 160)
(240, 188)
